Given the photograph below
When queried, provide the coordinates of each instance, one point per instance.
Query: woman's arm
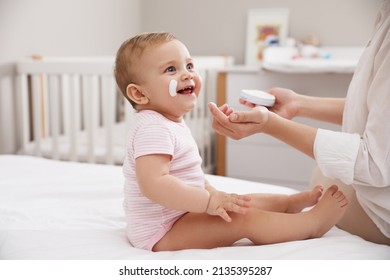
(297, 135)
(276, 121)
(322, 109)
(290, 104)
(238, 125)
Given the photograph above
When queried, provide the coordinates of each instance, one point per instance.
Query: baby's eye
(190, 66)
(170, 69)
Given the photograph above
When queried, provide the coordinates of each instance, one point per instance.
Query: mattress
(55, 210)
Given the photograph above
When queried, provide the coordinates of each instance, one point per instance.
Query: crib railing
(71, 109)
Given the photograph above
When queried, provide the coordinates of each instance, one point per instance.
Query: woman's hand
(287, 102)
(238, 125)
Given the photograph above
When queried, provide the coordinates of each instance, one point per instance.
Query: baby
(168, 203)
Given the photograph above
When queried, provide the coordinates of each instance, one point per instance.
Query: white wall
(219, 26)
(58, 28)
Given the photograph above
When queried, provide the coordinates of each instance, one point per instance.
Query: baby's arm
(159, 186)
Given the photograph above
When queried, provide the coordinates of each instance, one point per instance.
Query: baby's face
(161, 68)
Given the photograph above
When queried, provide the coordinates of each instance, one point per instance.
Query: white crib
(70, 109)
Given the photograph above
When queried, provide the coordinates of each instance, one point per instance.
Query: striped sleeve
(153, 139)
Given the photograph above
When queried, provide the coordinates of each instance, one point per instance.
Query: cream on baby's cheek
(173, 88)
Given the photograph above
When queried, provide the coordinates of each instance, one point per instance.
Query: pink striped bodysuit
(148, 222)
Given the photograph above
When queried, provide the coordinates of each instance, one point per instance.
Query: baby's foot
(299, 201)
(329, 210)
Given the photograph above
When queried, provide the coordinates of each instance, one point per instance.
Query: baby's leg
(311, 224)
(286, 203)
(202, 231)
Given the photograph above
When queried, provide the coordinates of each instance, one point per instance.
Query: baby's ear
(134, 92)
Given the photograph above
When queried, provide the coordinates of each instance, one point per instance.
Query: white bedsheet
(63, 210)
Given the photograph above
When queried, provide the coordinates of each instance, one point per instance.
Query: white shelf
(331, 60)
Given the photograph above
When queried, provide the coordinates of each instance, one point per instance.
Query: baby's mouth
(186, 90)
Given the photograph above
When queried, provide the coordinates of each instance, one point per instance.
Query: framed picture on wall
(265, 27)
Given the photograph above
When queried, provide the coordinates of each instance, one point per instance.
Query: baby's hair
(129, 53)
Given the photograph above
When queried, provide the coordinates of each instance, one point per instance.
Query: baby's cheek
(198, 83)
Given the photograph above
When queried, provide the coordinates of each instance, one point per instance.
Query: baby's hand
(221, 202)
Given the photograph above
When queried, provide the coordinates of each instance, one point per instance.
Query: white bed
(52, 210)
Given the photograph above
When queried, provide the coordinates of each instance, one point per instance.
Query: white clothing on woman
(360, 154)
